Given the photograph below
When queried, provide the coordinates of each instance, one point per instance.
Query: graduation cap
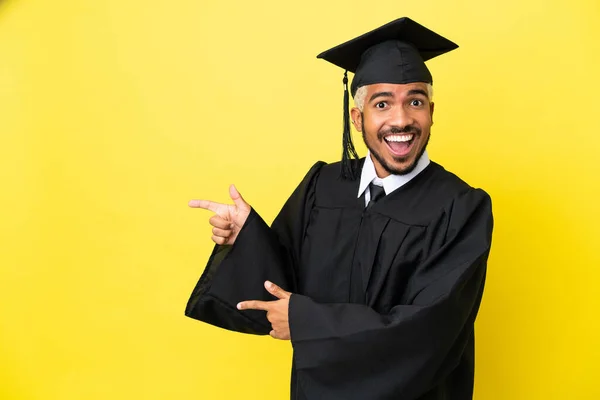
(393, 53)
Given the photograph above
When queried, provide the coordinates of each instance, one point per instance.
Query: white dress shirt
(390, 182)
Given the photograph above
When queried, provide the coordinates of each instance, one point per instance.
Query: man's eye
(416, 103)
(381, 104)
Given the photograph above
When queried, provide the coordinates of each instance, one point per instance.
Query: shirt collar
(390, 182)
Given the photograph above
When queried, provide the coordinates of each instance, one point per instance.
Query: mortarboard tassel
(349, 152)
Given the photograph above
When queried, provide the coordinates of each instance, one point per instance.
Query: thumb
(237, 198)
(276, 290)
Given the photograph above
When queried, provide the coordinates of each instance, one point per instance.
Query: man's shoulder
(447, 179)
(452, 179)
(332, 171)
(447, 185)
(330, 188)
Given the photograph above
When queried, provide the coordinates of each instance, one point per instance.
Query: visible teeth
(399, 138)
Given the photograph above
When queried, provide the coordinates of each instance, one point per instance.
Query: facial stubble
(416, 131)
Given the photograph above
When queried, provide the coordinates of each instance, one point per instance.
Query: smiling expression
(395, 123)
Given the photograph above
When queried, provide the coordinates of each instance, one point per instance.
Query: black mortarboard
(393, 53)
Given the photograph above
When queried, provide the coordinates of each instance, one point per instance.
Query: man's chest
(349, 254)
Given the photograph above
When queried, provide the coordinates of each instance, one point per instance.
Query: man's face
(395, 123)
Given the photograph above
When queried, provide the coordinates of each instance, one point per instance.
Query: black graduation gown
(384, 298)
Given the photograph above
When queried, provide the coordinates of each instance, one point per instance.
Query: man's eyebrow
(381, 94)
(413, 92)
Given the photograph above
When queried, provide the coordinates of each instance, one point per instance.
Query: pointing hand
(228, 219)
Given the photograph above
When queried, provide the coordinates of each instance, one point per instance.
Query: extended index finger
(254, 305)
(205, 204)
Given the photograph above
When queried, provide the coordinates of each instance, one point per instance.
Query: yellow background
(114, 113)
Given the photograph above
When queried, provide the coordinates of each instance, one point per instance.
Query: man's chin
(394, 164)
(400, 165)
(403, 165)
(403, 168)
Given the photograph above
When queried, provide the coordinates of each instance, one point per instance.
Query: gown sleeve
(238, 272)
(350, 351)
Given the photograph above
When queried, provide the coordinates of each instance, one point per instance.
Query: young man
(375, 267)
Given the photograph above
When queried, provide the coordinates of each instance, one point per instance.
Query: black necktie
(377, 192)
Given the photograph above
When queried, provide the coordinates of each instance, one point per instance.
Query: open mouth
(399, 145)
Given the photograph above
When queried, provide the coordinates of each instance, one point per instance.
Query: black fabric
(237, 273)
(393, 53)
(385, 298)
(377, 192)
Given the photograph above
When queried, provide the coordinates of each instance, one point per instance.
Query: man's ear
(356, 116)
(431, 108)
